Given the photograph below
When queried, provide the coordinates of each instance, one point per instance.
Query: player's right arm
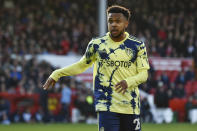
(86, 61)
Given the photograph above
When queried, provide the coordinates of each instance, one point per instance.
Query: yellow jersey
(113, 62)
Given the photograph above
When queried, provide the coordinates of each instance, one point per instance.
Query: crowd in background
(26, 77)
(65, 27)
(167, 27)
(47, 26)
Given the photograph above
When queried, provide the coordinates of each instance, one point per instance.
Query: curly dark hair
(119, 9)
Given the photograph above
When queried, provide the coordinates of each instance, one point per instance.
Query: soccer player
(120, 65)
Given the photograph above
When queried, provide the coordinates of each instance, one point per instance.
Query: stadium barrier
(20, 102)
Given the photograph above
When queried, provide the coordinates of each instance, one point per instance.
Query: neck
(119, 38)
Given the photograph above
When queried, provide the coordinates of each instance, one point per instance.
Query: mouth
(114, 31)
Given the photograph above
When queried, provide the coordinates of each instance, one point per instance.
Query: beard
(117, 36)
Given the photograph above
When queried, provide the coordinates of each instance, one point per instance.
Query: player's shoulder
(135, 40)
(98, 40)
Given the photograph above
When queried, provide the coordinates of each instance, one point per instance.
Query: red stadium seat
(188, 88)
(178, 105)
(194, 87)
(173, 76)
(168, 73)
(157, 74)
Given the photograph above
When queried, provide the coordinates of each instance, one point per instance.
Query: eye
(110, 21)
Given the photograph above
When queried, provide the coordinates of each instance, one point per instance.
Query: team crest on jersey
(102, 129)
(129, 52)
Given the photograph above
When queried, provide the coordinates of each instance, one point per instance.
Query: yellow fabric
(113, 62)
(71, 70)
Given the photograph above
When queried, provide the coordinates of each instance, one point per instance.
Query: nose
(114, 24)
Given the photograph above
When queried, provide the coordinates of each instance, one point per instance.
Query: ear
(126, 23)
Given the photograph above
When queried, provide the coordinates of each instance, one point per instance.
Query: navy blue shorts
(110, 121)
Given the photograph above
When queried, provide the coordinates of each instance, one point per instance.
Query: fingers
(117, 86)
(48, 83)
(53, 84)
(121, 90)
(121, 87)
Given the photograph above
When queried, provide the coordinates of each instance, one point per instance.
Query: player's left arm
(142, 69)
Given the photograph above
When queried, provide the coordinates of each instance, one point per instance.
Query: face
(117, 23)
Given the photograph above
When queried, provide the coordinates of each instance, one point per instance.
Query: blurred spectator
(44, 105)
(161, 97)
(189, 74)
(27, 116)
(85, 104)
(179, 91)
(145, 109)
(180, 79)
(172, 91)
(191, 109)
(189, 106)
(4, 111)
(163, 112)
(65, 102)
(165, 78)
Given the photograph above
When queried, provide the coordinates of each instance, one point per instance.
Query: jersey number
(137, 123)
